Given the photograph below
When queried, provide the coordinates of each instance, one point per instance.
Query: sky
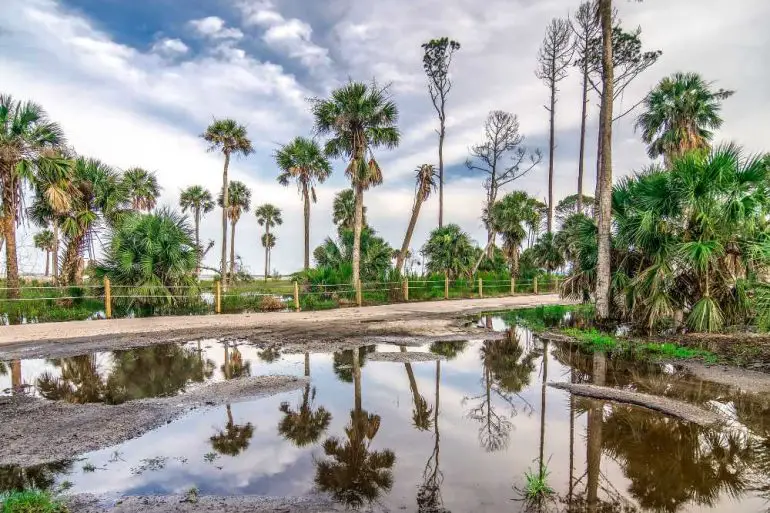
(136, 83)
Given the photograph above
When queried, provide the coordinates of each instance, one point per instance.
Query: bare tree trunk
(357, 227)
(306, 197)
(9, 232)
(603, 270)
(198, 240)
(409, 231)
(582, 137)
(551, 150)
(232, 250)
(225, 203)
(597, 187)
(441, 169)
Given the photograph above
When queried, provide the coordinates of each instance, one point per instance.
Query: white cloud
(168, 46)
(215, 28)
(291, 36)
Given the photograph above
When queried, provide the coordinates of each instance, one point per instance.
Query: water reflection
(40, 477)
(429, 499)
(234, 439)
(306, 424)
(352, 473)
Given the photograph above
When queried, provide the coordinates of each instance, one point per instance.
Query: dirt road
(339, 323)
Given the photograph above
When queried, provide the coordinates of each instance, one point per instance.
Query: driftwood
(678, 409)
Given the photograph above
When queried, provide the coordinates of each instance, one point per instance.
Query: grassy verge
(31, 501)
(594, 340)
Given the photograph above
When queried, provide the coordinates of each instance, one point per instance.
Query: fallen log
(681, 410)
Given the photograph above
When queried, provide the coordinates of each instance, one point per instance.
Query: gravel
(36, 431)
(186, 504)
(742, 379)
(678, 409)
(403, 357)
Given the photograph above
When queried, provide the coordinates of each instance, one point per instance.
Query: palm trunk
(357, 380)
(358, 225)
(232, 249)
(594, 442)
(225, 202)
(55, 255)
(603, 270)
(198, 240)
(267, 250)
(582, 137)
(72, 257)
(9, 232)
(307, 364)
(441, 134)
(551, 150)
(47, 262)
(230, 421)
(409, 231)
(306, 197)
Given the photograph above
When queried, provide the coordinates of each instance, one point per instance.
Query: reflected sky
(487, 389)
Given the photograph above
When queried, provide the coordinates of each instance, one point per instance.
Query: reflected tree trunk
(542, 407)
(571, 437)
(229, 415)
(357, 379)
(594, 443)
(15, 376)
(307, 364)
(227, 361)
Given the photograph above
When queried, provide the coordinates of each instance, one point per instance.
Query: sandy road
(64, 331)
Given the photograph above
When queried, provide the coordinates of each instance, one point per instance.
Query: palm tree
(449, 250)
(680, 114)
(508, 217)
(268, 242)
(44, 240)
(229, 138)
(199, 201)
(425, 183)
(239, 201)
(359, 119)
(304, 161)
(547, 253)
(268, 216)
(142, 188)
(26, 135)
(344, 210)
(100, 200)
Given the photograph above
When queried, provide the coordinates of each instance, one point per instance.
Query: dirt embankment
(36, 431)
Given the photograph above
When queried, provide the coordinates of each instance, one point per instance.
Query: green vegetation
(596, 341)
(537, 488)
(31, 501)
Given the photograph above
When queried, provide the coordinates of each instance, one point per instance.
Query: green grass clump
(596, 341)
(537, 488)
(31, 501)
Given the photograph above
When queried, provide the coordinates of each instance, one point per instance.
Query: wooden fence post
(446, 286)
(481, 288)
(218, 296)
(107, 299)
(296, 296)
(406, 289)
(513, 285)
(534, 285)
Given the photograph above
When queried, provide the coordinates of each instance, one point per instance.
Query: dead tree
(436, 61)
(503, 158)
(554, 58)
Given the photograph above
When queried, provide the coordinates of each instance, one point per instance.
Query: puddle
(453, 435)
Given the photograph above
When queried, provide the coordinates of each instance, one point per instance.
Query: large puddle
(456, 435)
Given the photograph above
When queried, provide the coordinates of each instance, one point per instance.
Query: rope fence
(103, 299)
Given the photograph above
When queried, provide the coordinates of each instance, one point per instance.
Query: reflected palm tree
(343, 361)
(421, 410)
(234, 439)
(506, 370)
(429, 498)
(38, 477)
(352, 473)
(80, 382)
(270, 354)
(234, 366)
(449, 349)
(305, 425)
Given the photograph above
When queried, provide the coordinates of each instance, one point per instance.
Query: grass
(31, 501)
(541, 318)
(537, 488)
(597, 341)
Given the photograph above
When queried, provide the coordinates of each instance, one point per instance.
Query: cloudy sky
(134, 83)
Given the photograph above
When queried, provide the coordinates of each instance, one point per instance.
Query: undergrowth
(597, 341)
(31, 501)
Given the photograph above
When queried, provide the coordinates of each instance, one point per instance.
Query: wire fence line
(43, 303)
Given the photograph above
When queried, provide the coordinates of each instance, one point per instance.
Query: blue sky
(135, 83)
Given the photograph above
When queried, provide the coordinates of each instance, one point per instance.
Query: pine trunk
(441, 170)
(223, 263)
(583, 119)
(551, 150)
(306, 197)
(603, 269)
